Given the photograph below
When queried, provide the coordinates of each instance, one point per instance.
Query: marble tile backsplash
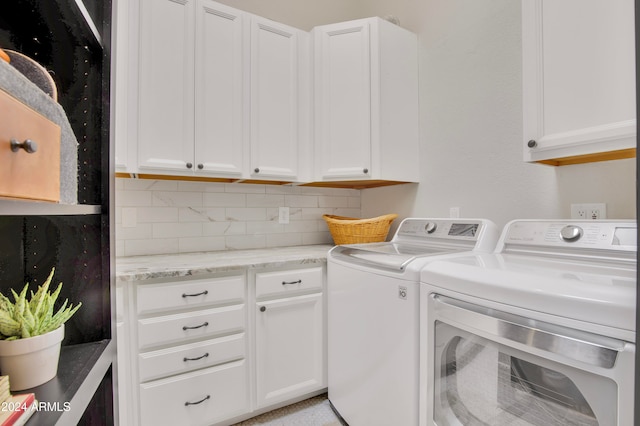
(167, 216)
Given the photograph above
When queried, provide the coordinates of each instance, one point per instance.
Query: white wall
(471, 124)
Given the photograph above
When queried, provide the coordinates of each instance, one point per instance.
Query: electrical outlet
(283, 215)
(589, 211)
(454, 212)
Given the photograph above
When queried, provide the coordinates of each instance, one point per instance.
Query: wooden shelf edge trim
(356, 184)
(346, 184)
(591, 158)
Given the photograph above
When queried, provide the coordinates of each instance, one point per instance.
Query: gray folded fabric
(16, 84)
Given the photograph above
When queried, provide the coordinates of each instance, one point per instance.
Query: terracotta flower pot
(32, 361)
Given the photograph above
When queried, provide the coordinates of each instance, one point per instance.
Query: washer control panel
(440, 228)
(613, 235)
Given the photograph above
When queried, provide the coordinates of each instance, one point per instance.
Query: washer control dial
(430, 227)
(571, 233)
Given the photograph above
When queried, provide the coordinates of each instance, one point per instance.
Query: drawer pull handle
(196, 294)
(185, 328)
(196, 359)
(291, 282)
(28, 145)
(197, 402)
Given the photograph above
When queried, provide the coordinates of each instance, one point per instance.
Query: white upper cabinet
(222, 93)
(278, 61)
(219, 64)
(206, 90)
(166, 86)
(366, 102)
(579, 80)
(123, 56)
(190, 88)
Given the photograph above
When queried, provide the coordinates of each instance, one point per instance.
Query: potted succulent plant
(31, 334)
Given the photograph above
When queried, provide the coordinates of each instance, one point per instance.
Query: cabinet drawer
(202, 397)
(190, 293)
(33, 175)
(285, 283)
(185, 358)
(178, 328)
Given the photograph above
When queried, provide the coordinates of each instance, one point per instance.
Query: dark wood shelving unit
(71, 39)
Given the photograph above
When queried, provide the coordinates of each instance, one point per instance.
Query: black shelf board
(81, 368)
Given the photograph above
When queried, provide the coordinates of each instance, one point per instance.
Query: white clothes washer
(539, 333)
(373, 309)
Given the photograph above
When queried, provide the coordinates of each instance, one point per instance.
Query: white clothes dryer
(539, 333)
(373, 309)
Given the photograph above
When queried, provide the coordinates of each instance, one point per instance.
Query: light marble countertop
(136, 268)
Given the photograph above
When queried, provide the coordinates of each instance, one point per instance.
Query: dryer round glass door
(483, 374)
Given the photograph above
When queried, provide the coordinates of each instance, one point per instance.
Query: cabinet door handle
(200, 166)
(196, 359)
(256, 170)
(263, 308)
(189, 165)
(291, 282)
(185, 328)
(197, 402)
(365, 171)
(28, 145)
(532, 143)
(195, 294)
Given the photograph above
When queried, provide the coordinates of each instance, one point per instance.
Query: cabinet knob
(200, 166)
(532, 143)
(189, 165)
(28, 145)
(263, 308)
(365, 171)
(257, 170)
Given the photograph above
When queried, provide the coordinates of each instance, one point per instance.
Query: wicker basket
(349, 230)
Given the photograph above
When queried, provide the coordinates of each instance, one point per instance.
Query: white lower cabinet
(188, 350)
(192, 353)
(202, 397)
(289, 348)
(184, 358)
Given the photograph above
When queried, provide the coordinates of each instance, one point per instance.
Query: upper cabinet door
(579, 79)
(166, 85)
(343, 100)
(366, 102)
(219, 64)
(274, 99)
(120, 87)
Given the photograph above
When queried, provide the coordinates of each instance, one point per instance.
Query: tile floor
(314, 411)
